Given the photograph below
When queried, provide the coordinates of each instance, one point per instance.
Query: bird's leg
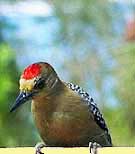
(38, 147)
(93, 147)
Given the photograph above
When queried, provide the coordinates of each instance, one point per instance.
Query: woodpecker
(65, 115)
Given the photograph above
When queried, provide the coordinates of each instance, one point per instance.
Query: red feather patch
(31, 71)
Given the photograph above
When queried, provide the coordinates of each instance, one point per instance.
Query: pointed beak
(21, 99)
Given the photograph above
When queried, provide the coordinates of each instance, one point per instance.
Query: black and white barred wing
(92, 105)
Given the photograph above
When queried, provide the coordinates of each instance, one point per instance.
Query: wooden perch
(31, 150)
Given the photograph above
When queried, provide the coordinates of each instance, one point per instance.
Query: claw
(93, 147)
(38, 148)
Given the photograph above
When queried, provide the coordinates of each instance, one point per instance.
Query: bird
(64, 114)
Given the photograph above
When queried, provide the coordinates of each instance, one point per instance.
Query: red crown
(31, 71)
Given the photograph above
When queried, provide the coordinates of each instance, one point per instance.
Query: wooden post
(48, 150)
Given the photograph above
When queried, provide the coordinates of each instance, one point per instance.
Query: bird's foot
(93, 147)
(38, 148)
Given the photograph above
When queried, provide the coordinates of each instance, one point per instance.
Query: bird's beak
(21, 99)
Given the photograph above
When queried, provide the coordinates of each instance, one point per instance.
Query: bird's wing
(92, 105)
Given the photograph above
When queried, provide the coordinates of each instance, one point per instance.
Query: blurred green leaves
(8, 76)
(8, 88)
(126, 84)
(13, 126)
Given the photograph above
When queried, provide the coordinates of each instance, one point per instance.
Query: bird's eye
(39, 84)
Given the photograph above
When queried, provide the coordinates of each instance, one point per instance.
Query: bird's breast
(64, 121)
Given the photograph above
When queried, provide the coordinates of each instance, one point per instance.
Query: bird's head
(37, 79)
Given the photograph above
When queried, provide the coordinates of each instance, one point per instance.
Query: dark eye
(39, 84)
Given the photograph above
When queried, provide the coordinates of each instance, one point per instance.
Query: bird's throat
(45, 104)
